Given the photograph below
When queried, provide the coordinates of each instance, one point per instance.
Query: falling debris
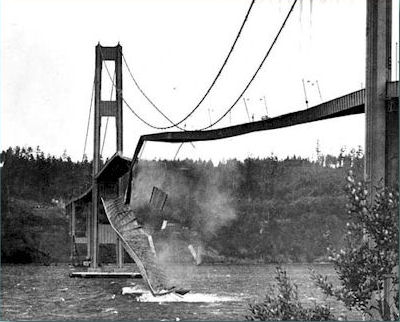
(151, 244)
(196, 255)
(158, 199)
(192, 251)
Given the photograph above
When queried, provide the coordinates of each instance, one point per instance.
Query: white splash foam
(190, 298)
(146, 296)
(110, 310)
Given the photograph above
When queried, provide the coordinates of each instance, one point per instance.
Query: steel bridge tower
(381, 115)
(112, 108)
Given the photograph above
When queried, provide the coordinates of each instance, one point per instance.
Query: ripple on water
(217, 293)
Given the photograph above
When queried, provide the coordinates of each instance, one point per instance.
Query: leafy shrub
(282, 303)
(371, 248)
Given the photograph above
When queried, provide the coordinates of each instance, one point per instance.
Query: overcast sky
(175, 48)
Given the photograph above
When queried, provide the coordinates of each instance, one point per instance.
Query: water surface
(218, 292)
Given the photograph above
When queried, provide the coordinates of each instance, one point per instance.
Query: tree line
(259, 208)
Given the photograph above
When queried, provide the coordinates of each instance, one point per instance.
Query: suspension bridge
(378, 101)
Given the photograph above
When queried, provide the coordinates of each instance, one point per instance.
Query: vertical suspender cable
(247, 111)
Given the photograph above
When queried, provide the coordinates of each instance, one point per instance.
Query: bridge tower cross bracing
(112, 108)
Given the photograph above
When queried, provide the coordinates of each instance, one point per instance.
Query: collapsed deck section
(138, 244)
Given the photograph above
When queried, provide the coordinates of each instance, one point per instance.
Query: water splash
(142, 295)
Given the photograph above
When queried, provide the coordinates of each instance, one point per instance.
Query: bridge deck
(352, 103)
(349, 104)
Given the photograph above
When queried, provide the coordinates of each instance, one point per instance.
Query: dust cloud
(207, 208)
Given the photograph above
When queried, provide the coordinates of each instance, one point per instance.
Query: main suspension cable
(256, 72)
(238, 98)
(119, 91)
(88, 122)
(151, 102)
(209, 88)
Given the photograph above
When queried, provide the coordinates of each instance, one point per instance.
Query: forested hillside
(261, 209)
(34, 186)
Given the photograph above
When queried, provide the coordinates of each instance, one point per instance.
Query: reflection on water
(219, 292)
